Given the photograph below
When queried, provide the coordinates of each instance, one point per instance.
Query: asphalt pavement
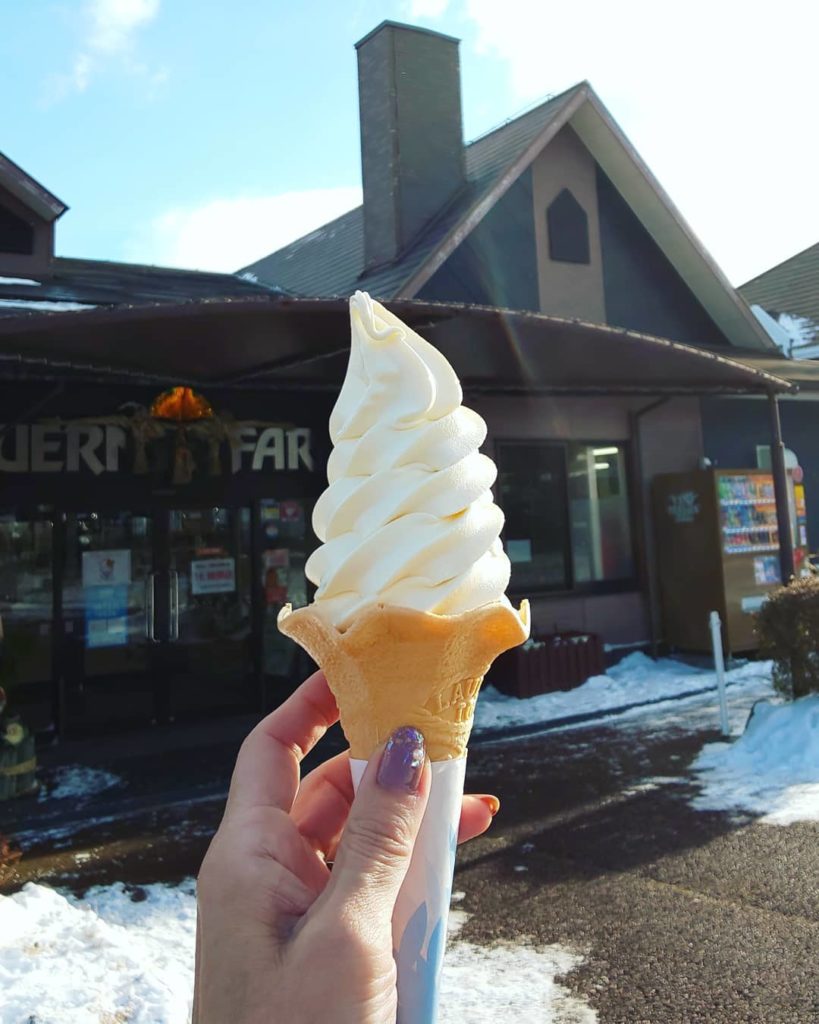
(681, 916)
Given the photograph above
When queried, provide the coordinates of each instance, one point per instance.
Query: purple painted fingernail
(402, 762)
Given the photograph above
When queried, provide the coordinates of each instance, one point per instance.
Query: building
(164, 432)
(555, 213)
(786, 298)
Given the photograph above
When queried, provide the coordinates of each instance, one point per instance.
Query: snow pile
(634, 680)
(79, 782)
(108, 958)
(771, 770)
(483, 984)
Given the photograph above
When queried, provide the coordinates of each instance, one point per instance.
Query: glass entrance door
(106, 611)
(210, 659)
(155, 613)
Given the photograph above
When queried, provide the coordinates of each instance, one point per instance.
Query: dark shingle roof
(791, 287)
(75, 283)
(330, 260)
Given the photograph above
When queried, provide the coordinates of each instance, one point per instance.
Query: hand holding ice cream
(410, 609)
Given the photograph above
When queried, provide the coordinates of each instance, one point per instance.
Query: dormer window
(16, 234)
(27, 216)
(568, 228)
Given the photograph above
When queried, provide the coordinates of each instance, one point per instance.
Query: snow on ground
(771, 770)
(108, 958)
(17, 280)
(636, 679)
(99, 960)
(46, 305)
(78, 782)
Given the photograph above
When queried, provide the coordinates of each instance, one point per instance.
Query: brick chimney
(412, 152)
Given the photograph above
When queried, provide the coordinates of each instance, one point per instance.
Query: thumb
(376, 847)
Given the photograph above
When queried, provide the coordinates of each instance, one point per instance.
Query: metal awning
(302, 344)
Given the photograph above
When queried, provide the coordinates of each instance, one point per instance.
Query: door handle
(150, 607)
(173, 585)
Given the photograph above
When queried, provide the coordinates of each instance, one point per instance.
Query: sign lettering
(100, 448)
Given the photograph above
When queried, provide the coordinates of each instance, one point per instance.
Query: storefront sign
(106, 568)
(106, 616)
(213, 576)
(108, 448)
(684, 507)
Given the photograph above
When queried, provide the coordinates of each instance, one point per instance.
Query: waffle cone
(397, 666)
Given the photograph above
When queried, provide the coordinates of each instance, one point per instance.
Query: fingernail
(492, 803)
(402, 762)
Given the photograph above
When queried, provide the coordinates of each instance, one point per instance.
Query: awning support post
(783, 505)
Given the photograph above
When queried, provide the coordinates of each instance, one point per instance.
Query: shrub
(787, 626)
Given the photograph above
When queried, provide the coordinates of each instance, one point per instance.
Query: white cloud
(113, 22)
(109, 30)
(226, 234)
(716, 97)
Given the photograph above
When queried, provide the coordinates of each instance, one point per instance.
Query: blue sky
(207, 133)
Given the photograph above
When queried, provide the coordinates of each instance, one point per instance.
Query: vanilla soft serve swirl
(408, 517)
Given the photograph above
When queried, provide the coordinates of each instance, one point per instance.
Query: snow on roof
(777, 332)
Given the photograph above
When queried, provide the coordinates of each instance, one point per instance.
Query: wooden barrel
(18, 767)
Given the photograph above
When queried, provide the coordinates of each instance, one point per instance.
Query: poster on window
(213, 576)
(106, 616)
(766, 570)
(106, 568)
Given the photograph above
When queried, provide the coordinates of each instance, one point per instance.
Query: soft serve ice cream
(410, 609)
(408, 518)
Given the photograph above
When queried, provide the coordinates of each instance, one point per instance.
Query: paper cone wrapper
(419, 923)
(398, 667)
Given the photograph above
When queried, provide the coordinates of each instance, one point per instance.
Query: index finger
(267, 768)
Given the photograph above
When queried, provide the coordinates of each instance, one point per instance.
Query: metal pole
(719, 666)
(783, 506)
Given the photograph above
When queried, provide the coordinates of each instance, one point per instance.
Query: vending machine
(717, 545)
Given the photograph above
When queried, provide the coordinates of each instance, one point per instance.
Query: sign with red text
(213, 576)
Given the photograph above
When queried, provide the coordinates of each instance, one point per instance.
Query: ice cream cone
(397, 666)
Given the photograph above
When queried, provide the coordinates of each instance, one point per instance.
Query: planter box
(557, 661)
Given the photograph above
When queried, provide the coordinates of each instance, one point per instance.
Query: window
(567, 515)
(599, 514)
(568, 228)
(532, 494)
(16, 235)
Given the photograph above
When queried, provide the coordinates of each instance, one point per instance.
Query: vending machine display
(718, 549)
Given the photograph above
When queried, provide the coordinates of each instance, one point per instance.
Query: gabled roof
(330, 260)
(30, 192)
(790, 287)
(74, 285)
